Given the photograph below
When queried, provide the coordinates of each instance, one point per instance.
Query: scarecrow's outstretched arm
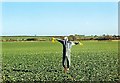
(76, 43)
(59, 40)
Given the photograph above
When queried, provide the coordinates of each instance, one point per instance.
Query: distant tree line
(75, 37)
(95, 37)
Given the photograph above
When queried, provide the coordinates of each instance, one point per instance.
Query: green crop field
(42, 61)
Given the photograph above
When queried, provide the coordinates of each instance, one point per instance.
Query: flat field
(42, 61)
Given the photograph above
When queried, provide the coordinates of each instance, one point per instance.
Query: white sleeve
(72, 43)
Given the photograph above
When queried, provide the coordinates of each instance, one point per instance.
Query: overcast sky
(60, 18)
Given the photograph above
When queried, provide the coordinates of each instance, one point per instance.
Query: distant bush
(31, 39)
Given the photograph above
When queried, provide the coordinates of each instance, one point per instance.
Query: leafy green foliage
(42, 61)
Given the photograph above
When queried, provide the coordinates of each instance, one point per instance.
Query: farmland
(41, 61)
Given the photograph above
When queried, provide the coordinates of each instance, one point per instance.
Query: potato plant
(42, 61)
